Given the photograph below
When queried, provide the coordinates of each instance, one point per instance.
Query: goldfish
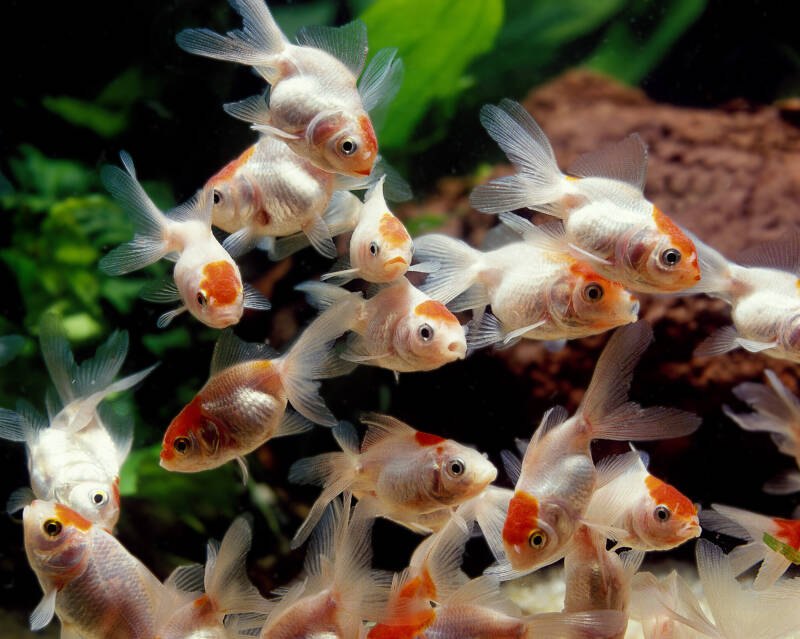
(243, 404)
(536, 289)
(205, 278)
(399, 328)
(557, 477)
(223, 590)
(269, 192)
(596, 578)
(777, 411)
(773, 541)
(652, 514)
(314, 102)
(398, 471)
(94, 585)
(608, 222)
(75, 459)
(764, 295)
(338, 589)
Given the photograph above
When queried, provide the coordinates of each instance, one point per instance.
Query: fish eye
(374, 249)
(99, 497)
(181, 445)
(456, 467)
(425, 332)
(348, 146)
(593, 292)
(202, 299)
(217, 197)
(662, 513)
(537, 539)
(52, 527)
(670, 257)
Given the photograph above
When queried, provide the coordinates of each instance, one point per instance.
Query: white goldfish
(536, 289)
(206, 279)
(557, 477)
(652, 514)
(608, 222)
(398, 472)
(95, 586)
(270, 192)
(314, 102)
(76, 458)
(764, 296)
(777, 411)
(243, 404)
(399, 328)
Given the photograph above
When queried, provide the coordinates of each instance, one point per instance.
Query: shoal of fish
(570, 278)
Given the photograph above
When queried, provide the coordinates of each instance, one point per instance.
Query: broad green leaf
(103, 121)
(437, 40)
(50, 177)
(81, 326)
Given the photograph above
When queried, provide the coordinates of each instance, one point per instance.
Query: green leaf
(158, 343)
(81, 326)
(424, 223)
(49, 177)
(103, 121)
(437, 40)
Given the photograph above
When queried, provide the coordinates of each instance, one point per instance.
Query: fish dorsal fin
(197, 208)
(552, 418)
(98, 372)
(512, 464)
(381, 81)
(187, 578)
(625, 161)
(230, 350)
(499, 236)
(782, 254)
(611, 467)
(347, 43)
(163, 291)
(379, 427)
(550, 236)
(517, 133)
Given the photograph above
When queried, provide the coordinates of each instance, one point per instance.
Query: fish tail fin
(538, 181)
(776, 408)
(335, 472)
(310, 359)
(226, 581)
(604, 405)
(597, 623)
(457, 261)
(150, 241)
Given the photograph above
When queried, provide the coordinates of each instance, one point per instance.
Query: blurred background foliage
(111, 78)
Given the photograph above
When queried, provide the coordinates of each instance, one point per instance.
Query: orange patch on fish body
(69, 517)
(405, 631)
(788, 532)
(671, 497)
(435, 310)
(221, 282)
(523, 513)
(230, 169)
(678, 238)
(392, 231)
(427, 439)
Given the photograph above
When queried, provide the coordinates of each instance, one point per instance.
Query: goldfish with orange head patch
(205, 278)
(608, 222)
(314, 102)
(399, 328)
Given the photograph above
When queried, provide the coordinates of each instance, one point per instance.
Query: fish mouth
(364, 172)
(396, 260)
(459, 348)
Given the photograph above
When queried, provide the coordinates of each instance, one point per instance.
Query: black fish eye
(662, 513)
(99, 497)
(593, 292)
(52, 527)
(374, 249)
(425, 332)
(217, 197)
(201, 299)
(456, 467)
(537, 539)
(348, 146)
(671, 257)
(181, 445)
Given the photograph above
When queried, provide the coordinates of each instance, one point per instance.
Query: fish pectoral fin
(625, 161)
(274, 132)
(593, 259)
(341, 277)
(521, 331)
(754, 346)
(245, 473)
(253, 299)
(43, 613)
(163, 291)
(292, 423)
(425, 267)
(352, 357)
(719, 342)
(319, 235)
(240, 242)
(165, 319)
(347, 43)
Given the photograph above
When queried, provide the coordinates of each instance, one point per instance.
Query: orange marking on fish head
(221, 284)
(433, 310)
(427, 439)
(663, 493)
(788, 532)
(688, 266)
(522, 517)
(115, 491)
(615, 304)
(230, 169)
(392, 231)
(181, 426)
(370, 140)
(69, 517)
(404, 630)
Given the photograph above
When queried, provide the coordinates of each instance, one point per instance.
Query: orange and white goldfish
(399, 328)
(76, 458)
(764, 294)
(314, 102)
(243, 404)
(536, 289)
(773, 541)
(557, 476)
(608, 222)
(197, 608)
(95, 586)
(338, 589)
(205, 278)
(652, 514)
(777, 411)
(398, 472)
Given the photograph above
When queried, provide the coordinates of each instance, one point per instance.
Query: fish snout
(458, 347)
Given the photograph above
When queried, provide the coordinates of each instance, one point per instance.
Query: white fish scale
(596, 226)
(297, 100)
